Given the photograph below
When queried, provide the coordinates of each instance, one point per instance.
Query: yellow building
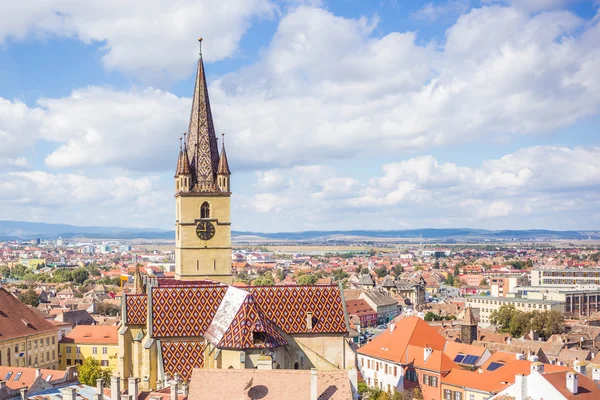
(26, 338)
(99, 342)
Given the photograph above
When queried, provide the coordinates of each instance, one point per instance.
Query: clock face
(205, 230)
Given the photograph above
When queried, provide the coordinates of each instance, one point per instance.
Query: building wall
(203, 259)
(448, 392)
(76, 353)
(374, 373)
(39, 351)
(487, 305)
(565, 277)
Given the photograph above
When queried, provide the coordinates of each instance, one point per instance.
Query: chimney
(392, 327)
(537, 367)
(132, 387)
(99, 386)
(427, 352)
(38, 372)
(24, 394)
(520, 356)
(174, 389)
(596, 373)
(520, 387)
(309, 321)
(313, 384)
(580, 367)
(69, 393)
(533, 358)
(185, 388)
(572, 382)
(115, 388)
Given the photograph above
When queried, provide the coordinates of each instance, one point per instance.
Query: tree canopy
(90, 371)
(518, 323)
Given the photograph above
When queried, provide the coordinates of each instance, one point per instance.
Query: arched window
(205, 210)
(296, 366)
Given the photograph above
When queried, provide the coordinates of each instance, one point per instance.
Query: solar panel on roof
(470, 359)
(494, 366)
(459, 358)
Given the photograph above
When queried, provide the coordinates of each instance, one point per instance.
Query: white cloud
(536, 5)
(432, 12)
(84, 200)
(522, 189)
(150, 39)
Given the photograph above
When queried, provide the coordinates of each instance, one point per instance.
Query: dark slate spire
(202, 149)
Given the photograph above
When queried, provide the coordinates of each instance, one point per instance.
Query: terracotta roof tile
(17, 320)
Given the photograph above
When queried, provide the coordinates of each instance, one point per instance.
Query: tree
(107, 309)
(381, 271)
(339, 274)
(18, 270)
(281, 274)
(519, 324)
(265, 280)
(456, 271)
(30, 297)
(416, 394)
(362, 387)
(307, 279)
(80, 275)
(484, 282)
(503, 316)
(436, 265)
(364, 271)
(450, 280)
(90, 370)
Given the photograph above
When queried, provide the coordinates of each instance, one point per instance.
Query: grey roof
(366, 280)
(388, 281)
(380, 299)
(84, 392)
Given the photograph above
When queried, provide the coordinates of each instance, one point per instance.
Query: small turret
(183, 175)
(223, 172)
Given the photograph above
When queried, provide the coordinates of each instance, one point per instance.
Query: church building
(197, 319)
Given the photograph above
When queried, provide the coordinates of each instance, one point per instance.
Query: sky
(337, 114)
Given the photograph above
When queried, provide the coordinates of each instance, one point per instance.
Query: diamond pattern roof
(182, 357)
(136, 306)
(286, 307)
(247, 325)
(184, 311)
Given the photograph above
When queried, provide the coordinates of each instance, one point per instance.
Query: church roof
(183, 162)
(201, 146)
(182, 309)
(223, 164)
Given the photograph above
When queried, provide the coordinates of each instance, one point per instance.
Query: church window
(177, 184)
(205, 210)
(296, 365)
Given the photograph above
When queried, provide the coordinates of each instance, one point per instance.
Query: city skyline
(337, 115)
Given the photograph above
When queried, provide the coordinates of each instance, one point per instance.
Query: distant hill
(10, 230)
(458, 233)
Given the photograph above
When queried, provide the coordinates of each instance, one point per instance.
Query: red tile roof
(17, 320)
(92, 334)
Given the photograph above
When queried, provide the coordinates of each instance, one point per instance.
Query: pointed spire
(183, 163)
(202, 148)
(469, 318)
(138, 285)
(223, 164)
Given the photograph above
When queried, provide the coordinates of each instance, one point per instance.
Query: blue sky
(338, 114)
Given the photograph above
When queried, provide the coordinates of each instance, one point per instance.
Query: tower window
(205, 210)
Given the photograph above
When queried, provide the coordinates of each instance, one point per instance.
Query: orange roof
(587, 389)
(452, 349)
(27, 376)
(494, 381)
(392, 344)
(17, 320)
(92, 334)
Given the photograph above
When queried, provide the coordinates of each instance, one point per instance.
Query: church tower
(468, 327)
(202, 196)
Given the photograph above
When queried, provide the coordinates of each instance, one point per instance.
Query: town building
(99, 342)
(565, 277)
(197, 319)
(580, 300)
(487, 305)
(25, 382)
(384, 305)
(501, 286)
(26, 338)
(362, 309)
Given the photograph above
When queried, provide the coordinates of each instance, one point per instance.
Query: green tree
(416, 394)
(364, 271)
(90, 370)
(381, 271)
(450, 280)
(280, 274)
(307, 279)
(456, 271)
(503, 316)
(18, 271)
(80, 275)
(362, 388)
(436, 265)
(339, 274)
(519, 324)
(265, 280)
(484, 282)
(30, 297)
